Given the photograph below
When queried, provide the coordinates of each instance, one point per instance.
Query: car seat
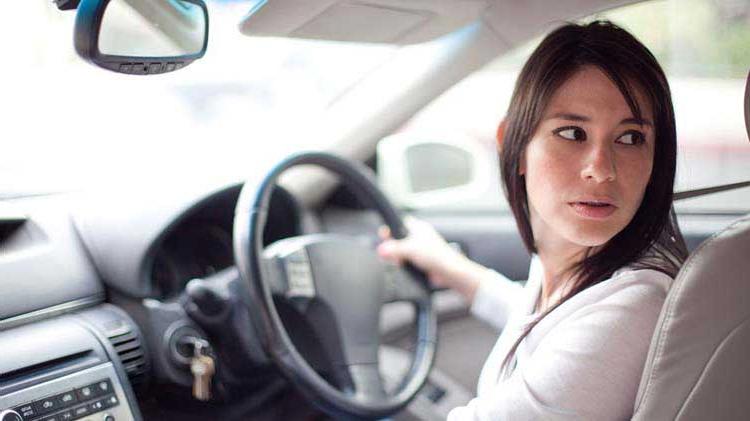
(698, 365)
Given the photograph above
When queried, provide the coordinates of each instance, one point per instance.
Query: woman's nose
(599, 165)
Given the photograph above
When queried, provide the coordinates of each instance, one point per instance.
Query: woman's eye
(571, 133)
(632, 138)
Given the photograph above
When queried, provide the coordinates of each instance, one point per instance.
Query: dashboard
(195, 251)
(93, 283)
(200, 244)
(94, 293)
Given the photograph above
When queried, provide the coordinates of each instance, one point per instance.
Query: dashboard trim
(49, 312)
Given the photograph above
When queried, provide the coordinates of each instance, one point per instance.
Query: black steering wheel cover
(250, 219)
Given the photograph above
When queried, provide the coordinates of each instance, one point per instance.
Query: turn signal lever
(213, 303)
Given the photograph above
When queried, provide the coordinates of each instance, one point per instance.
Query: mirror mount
(92, 30)
(67, 4)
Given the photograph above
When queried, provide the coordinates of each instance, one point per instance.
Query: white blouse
(583, 361)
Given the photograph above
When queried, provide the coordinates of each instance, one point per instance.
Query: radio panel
(93, 394)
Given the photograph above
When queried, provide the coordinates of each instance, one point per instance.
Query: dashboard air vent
(123, 334)
(128, 346)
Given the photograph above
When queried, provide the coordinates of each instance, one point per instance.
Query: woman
(588, 165)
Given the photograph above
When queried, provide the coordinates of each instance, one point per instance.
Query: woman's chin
(589, 236)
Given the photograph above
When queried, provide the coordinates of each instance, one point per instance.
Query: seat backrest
(698, 365)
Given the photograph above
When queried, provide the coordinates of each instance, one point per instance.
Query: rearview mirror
(141, 36)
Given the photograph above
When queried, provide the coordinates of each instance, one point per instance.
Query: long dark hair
(652, 239)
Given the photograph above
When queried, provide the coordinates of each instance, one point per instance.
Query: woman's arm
(495, 297)
(489, 293)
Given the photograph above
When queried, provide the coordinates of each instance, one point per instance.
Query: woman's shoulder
(630, 281)
(624, 308)
(628, 294)
(628, 289)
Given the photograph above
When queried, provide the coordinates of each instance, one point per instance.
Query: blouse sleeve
(587, 367)
(495, 298)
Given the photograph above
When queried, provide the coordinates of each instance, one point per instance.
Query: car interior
(250, 288)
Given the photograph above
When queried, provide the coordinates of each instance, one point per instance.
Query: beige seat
(698, 366)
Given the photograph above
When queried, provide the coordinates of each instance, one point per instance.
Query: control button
(26, 411)
(85, 393)
(154, 68)
(97, 406)
(10, 415)
(45, 406)
(138, 69)
(109, 401)
(66, 399)
(170, 67)
(80, 411)
(103, 387)
(126, 68)
(109, 417)
(55, 417)
(66, 416)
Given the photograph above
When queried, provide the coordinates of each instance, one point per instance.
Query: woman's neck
(556, 266)
(557, 256)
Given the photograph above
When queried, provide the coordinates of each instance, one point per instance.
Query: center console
(64, 369)
(89, 394)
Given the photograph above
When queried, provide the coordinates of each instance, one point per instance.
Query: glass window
(702, 46)
(223, 113)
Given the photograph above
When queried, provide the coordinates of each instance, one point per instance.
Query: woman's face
(588, 163)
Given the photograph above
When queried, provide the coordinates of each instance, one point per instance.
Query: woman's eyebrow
(568, 116)
(638, 121)
(578, 117)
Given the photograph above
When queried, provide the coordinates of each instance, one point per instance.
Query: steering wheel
(341, 286)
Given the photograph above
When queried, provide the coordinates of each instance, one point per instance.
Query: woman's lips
(593, 209)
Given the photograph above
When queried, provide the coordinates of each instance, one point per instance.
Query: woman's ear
(522, 163)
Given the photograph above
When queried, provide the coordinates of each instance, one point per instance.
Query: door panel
(490, 239)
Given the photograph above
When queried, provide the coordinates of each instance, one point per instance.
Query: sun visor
(376, 21)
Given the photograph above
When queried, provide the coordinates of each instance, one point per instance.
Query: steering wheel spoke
(288, 267)
(274, 272)
(367, 382)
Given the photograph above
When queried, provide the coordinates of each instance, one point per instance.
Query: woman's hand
(427, 250)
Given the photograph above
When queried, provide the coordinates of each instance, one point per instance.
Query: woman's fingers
(427, 250)
(384, 232)
(389, 248)
(391, 251)
(422, 247)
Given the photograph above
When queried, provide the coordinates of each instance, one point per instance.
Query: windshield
(68, 124)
